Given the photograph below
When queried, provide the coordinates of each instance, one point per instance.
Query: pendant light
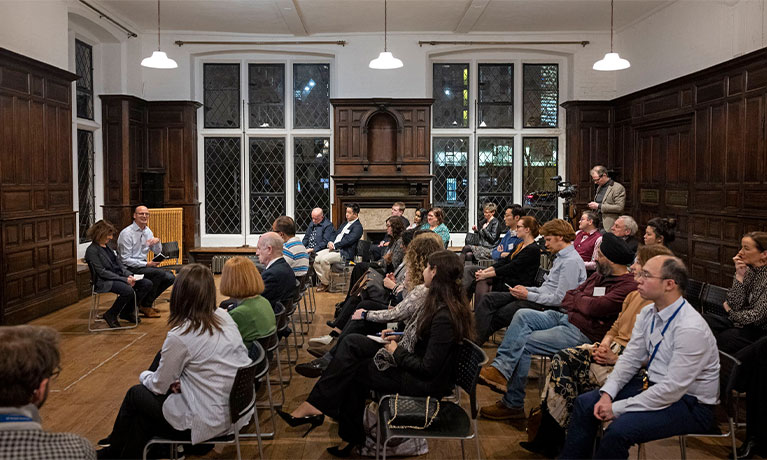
(158, 59)
(611, 61)
(385, 60)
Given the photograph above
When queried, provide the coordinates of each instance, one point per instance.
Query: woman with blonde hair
(253, 314)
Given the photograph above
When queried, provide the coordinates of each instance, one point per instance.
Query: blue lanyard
(652, 328)
(10, 418)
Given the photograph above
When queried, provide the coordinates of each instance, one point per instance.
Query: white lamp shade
(159, 60)
(611, 61)
(385, 60)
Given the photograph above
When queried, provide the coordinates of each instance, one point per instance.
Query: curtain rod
(302, 42)
(108, 18)
(472, 43)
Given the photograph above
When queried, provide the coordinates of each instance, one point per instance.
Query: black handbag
(373, 287)
(411, 413)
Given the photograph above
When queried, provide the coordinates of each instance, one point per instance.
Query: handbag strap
(426, 420)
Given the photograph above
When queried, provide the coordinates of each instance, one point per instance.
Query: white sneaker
(324, 340)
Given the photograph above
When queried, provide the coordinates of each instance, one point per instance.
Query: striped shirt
(294, 253)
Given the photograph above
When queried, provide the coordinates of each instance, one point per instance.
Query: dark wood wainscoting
(37, 223)
(694, 148)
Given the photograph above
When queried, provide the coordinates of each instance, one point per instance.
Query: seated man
(293, 251)
(497, 309)
(586, 315)
(30, 359)
(587, 235)
(133, 245)
(279, 281)
(397, 210)
(680, 388)
(319, 233)
(342, 247)
(624, 227)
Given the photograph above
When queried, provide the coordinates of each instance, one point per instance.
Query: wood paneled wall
(694, 148)
(37, 221)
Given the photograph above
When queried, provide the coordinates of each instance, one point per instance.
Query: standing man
(397, 210)
(133, 244)
(610, 198)
(342, 247)
(319, 233)
(279, 281)
(680, 389)
(293, 251)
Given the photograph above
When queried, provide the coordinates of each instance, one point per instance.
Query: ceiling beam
(470, 17)
(289, 11)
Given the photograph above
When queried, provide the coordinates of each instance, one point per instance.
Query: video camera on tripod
(568, 190)
(544, 202)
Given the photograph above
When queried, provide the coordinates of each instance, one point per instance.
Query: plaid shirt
(27, 440)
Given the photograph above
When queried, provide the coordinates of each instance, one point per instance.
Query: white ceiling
(308, 17)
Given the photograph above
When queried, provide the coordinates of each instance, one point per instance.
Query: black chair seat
(451, 422)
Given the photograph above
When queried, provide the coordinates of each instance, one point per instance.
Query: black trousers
(124, 293)
(753, 380)
(161, 280)
(356, 327)
(345, 385)
(731, 339)
(496, 310)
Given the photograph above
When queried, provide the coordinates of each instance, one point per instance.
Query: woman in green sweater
(253, 314)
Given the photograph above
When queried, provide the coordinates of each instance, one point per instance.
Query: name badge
(599, 291)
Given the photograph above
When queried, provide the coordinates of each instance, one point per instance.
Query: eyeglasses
(142, 213)
(644, 274)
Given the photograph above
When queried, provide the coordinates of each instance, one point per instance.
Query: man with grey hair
(624, 227)
(319, 233)
(680, 388)
(279, 281)
(610, 197)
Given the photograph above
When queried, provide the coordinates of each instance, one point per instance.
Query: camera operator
(610, 197)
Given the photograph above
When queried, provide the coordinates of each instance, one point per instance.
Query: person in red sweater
(587, 235)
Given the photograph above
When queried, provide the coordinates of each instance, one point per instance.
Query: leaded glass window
(451, 96)
(540, 93)
(312, 178)
(311, 96)
(495, 171)
(266, 95)
(222, 185)
(496, 96)
(451, 185)
(84, 85)
(267, 182)
(221, 98)
(539, 166)
(86, 190)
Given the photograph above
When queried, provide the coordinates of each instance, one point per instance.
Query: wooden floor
(98, 368)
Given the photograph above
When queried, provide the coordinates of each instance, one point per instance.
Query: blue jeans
(532, 332)
(683, 417)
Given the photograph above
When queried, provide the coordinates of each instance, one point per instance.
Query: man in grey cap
(586, 314)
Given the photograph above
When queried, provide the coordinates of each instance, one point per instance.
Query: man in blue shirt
(319, 233)
(133, 245)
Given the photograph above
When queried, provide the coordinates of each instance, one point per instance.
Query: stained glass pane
(222, 185)
(84, 85)
(451, 96)
(311, 96)
(540, 93)
(539, 166)
(266, 95)
(312, 178)
(451, 180)
(221, 86)
(496, 96)
(267, 182)
(495, 171)
(85, 182)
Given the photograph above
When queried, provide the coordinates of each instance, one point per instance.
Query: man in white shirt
(343, 247)
(133, 245)
(681, 386)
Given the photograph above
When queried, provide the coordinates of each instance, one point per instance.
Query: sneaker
(324, 340)
(499, 411)
(492, 377)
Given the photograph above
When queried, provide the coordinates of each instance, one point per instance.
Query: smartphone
(507, 285)
(390, 333)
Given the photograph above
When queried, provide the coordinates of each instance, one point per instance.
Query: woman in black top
(489, 232)
(112, 276)
(421, 364)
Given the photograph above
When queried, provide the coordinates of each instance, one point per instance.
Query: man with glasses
(666, 382)
(610, 198)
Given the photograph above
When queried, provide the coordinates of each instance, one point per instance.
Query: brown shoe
(157, 311)
(323, 288)
(499, 411)
(493, 378)
(149, 312)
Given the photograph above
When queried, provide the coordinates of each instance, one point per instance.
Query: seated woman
(392, 257)
(422, 363)
(660, 230)
(577, 370)
(370, 317)
(418, 219)
(435, 219)
(185, 393)
(253, 314)
(746, 305)
(519, 268)
(488, 232)
(112, 276)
